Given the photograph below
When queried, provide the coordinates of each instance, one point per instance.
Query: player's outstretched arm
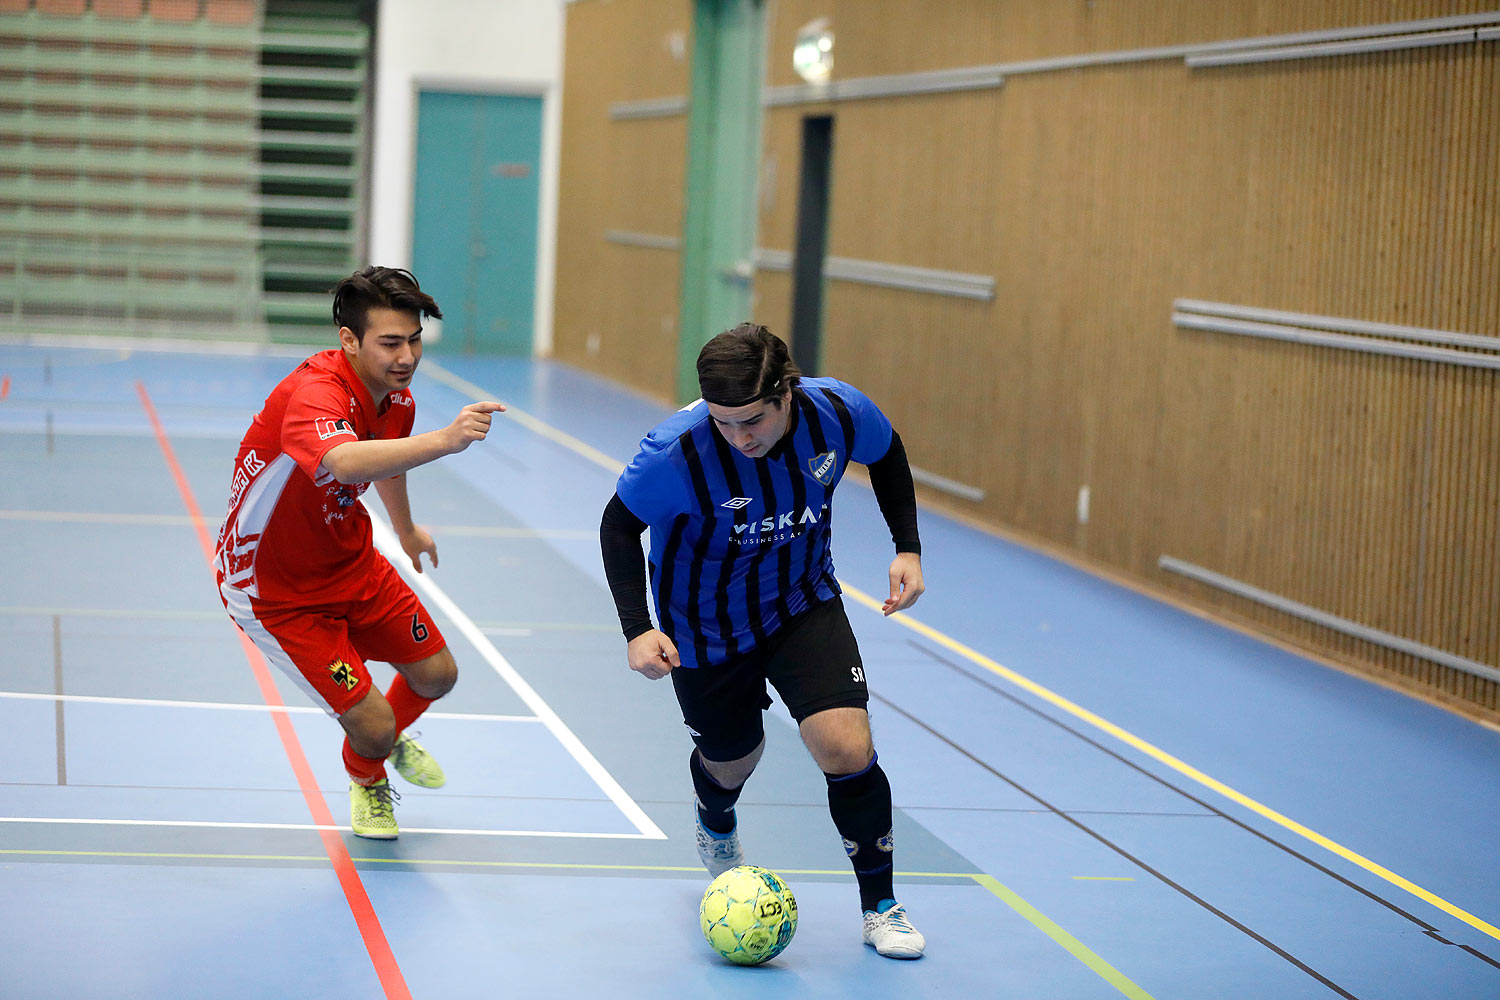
(367, 461)
(653, 655)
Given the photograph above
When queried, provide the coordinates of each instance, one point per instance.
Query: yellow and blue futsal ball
(748, 915)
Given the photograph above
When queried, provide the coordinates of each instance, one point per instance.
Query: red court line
(4, 387)
(376, 944)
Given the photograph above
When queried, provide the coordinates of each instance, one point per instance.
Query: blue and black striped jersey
(740, 545)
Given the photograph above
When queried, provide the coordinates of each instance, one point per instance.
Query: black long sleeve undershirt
(890, 478)
(625, 566)
(625, 563)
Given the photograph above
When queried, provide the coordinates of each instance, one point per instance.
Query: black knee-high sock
(860, 805)
(715, 802)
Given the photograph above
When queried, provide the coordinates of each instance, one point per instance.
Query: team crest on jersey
(328, 428)
(342, 674)
(821, 467)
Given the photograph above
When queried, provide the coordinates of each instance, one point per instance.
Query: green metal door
(474, 226)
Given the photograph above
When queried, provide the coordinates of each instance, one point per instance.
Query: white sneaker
(892, 935)
(719, 852)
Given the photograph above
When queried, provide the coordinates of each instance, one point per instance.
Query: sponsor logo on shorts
(343, 674)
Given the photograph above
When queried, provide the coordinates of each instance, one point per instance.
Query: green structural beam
(723, 165)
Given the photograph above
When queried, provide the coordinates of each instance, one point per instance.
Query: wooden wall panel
(877, 37)
(1362, 186)
(617, 305)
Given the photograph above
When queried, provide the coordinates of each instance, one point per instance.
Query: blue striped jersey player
(737, 490)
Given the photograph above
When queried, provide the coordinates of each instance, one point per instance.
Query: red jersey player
(297, 568)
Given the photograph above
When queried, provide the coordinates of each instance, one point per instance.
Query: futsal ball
(748, 915)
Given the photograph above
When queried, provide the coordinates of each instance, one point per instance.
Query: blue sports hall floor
(1098, 794)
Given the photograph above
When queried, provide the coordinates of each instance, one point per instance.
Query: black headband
(770, 392)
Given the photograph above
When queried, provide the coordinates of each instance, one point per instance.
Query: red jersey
(294, 534)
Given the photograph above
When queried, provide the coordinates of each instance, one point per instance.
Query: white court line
(183, 520)
(518, 416)
(386, 542)
(240, 707)
(522, 630)
(125, 345)
(10, 609)
(93, 517)
(564, 834)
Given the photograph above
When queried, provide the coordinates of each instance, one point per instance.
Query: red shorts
(323, 647)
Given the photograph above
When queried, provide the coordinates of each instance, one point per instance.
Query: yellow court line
(1181, 767)
(1007, 895)
(582, 866)
(1071, 944)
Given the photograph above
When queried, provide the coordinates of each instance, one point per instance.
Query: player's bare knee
(432, 677)
(440, 679)
(734, 773)
(371, 726)
(848, 758)
(376, 736)
(841, 751)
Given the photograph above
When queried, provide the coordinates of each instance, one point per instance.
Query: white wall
(475, 46)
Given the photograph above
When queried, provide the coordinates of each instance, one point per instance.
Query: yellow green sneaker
(372, 810)
(412, 761)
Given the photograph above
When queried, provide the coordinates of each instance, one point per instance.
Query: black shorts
(813, 662)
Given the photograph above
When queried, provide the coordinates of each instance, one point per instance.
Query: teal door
(474, 225)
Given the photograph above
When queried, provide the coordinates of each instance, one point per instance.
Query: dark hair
(379, 288)
(744, 365)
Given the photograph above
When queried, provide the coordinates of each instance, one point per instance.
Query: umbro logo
(736, 503)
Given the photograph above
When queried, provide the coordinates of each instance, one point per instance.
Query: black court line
(1160, 876)
(57, 683)
(1075, 812)
(1429, 929)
